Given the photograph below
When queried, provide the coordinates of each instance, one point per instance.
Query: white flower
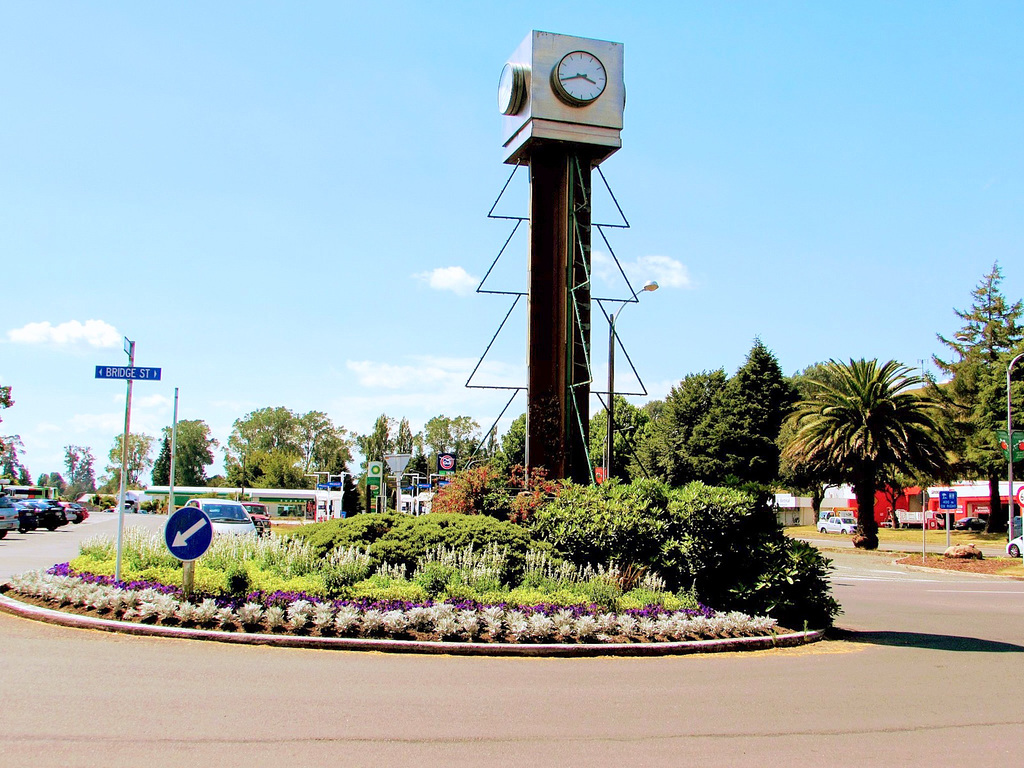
(206, 611)
(373, 621)
(323, 616)
(491, 617)
(395, 622)
(186, 612)
(251, 614)
(517, 625)
(347, 619)
(299, 614)
(468, 623)
(275, 617)
(540, 626)
(586, 627)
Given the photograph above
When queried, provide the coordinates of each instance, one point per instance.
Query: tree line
(877, 425)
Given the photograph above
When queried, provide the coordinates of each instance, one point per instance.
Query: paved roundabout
(922, 670)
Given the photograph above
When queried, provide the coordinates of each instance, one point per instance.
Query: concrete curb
(51, 616)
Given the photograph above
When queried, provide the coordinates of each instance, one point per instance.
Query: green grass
(903, 535)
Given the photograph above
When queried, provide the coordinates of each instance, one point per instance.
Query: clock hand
(573, 77)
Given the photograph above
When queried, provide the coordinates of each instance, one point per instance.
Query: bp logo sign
(446, 462)
(374, 473)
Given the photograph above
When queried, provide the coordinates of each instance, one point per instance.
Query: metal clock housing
(579, 78)
(512, 89)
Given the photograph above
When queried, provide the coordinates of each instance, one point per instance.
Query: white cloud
(666, 271)
(454, 279)
(151, 401)
(107, 422)
(94, 333)
(386, 376)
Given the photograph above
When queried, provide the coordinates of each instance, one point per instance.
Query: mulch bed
(995, 566)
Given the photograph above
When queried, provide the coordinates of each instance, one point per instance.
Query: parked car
(27, 520)
(260, 516)
(227, 516)
(49, 514)
(970, 524)
(1015, 547)
(837, 524)
(76, 513)
(8, 515)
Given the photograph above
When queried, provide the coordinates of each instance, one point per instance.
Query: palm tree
(858, 422)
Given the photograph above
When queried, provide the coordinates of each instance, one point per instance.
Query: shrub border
(720, 645)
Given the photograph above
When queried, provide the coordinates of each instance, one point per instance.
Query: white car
(8, 516)
(226, 516)
(1015, 547)
(837, 524)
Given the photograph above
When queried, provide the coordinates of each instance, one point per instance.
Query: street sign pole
(174, 447)
(129, 347)
(1009, 440)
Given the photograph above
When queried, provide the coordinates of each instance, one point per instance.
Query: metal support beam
(558, 325)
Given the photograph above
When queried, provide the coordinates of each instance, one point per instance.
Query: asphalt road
(927, 674)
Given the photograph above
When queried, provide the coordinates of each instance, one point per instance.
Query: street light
(1009, 442)
(649, 286)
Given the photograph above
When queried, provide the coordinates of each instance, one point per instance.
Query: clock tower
(562, 100)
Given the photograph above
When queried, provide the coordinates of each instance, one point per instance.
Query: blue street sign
(127, 372)
(188, 533)
(947, 499)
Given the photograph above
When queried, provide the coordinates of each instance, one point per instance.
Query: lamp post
(1009, 440)
(610, 423)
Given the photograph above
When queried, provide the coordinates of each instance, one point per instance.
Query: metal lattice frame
(575, 291)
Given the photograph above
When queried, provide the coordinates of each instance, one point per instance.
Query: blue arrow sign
(127, 372)
(947, 499)
(188, 533)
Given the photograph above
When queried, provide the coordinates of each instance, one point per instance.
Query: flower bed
(303, 614)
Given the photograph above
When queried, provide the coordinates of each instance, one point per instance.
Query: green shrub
(359, 531)
(434, 578)
(366, 590)
(237, 581)
(729, 550)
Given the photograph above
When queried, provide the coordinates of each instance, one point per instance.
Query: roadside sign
(188, 533)
(445, 463)
(132, 372)
(947, 499)
(374, 473)
(397, 462)
(1020, 496)
(1017, 444)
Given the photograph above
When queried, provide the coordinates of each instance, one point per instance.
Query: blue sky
(285, 204)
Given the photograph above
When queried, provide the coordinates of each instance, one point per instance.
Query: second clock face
(579, 78)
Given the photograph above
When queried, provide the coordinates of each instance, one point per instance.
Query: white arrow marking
(181, 537)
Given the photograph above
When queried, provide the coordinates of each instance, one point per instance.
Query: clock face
(579, 79)
(511, 89)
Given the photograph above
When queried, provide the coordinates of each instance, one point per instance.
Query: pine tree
(974, 400)
(162, 465)
(758, 400)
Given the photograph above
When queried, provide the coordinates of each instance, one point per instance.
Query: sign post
(374, 478)
(947, 501)
(131, 373)
(188, 534)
